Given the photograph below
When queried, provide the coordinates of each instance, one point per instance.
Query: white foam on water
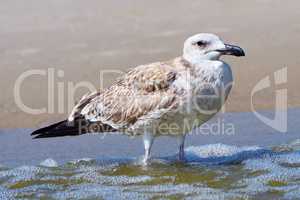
(49, 163)
(293, 194)
(222, 153)
(81, 160)
(102, 162)
(23, 173)
(5, 194)
(218, 150)
(293, 159)
(277, 175)
(189, 191)
(99, 191)
(295, 144)
(125, 180)
(38, 191)
(95, 178)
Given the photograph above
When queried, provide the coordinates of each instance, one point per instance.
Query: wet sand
(82, 38)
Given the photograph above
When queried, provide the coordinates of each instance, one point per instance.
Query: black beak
(232, 50)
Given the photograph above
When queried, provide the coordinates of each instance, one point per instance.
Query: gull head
(207, 46)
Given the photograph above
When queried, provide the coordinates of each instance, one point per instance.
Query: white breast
(205, 89)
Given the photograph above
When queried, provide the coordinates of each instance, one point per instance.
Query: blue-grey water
(252, 162)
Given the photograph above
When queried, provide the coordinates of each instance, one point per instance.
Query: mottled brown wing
(142, 91)
(86, 99)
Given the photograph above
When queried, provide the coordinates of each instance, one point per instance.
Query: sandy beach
(83, 38)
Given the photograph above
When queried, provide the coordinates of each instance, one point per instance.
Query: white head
(206, 46)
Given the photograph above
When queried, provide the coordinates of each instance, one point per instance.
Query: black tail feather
(57, 130)
(52, 126)
(65, 128)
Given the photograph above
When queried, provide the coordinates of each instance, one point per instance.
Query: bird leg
(148, 141)
(181, 148)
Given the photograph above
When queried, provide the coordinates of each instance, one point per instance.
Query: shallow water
(214, 171)
(255, 163)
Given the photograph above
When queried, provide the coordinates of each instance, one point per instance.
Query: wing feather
(140, 92)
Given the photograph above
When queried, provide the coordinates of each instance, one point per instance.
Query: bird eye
(201, 43)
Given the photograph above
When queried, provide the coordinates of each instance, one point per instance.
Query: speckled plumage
(161, 98)
(159, 93)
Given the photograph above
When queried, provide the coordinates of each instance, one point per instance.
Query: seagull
(163, 98)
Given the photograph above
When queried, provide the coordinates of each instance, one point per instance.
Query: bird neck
(196, 60)
(194, 63)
